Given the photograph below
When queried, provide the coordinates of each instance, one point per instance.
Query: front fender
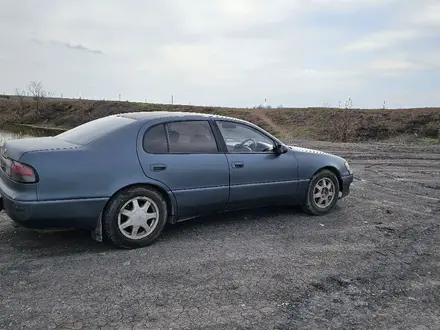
(311, 161)
(309, 164)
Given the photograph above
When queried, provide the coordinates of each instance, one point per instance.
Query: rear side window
(192, 137)
(93, 130)
(183, 137)
(155, 140)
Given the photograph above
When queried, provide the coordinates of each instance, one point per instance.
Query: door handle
(158, 167)
(237, 164)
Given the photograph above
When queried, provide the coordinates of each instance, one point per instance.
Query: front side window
(155, 140)
(192, 137)
(241, 138)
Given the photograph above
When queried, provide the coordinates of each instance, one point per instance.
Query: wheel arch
(171, 204)
(307, 206)
(332, 169)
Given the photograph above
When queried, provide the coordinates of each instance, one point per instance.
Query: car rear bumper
(76, 213)
(346, 182)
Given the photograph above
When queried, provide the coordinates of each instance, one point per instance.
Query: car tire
(129, 222)
(321, 180)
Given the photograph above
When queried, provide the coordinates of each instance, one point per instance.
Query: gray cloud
(228, 52)
(77, 47)
(66, 44)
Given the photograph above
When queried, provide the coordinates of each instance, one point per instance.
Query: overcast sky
(226, 52)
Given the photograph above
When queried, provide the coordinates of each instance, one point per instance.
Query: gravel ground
(372, 263)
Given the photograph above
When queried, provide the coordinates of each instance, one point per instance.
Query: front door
(184, 156)
(258, 176)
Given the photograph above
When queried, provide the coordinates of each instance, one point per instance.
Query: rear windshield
(93, 130)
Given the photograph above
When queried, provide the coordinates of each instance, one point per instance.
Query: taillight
(21, 172)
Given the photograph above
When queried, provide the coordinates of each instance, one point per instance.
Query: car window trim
(207, 120)
(226, 150)
(166, 138)
(165, 124)
(220, 148)
(218, 137)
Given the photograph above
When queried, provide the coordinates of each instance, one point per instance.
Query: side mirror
(281, 149)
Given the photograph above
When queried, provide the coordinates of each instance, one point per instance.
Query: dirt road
(374, 263)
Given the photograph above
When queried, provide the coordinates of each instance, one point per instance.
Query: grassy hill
(316, 123)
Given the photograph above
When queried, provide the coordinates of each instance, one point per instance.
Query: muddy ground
(373, 263)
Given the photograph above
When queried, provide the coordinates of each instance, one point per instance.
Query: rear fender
(164, 190)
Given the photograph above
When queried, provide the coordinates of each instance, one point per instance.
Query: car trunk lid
(15, 149)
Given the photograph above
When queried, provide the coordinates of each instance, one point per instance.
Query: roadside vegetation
(342, 124)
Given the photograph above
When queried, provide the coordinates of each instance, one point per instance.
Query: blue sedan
(125, 176)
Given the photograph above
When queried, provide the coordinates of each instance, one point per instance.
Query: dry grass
(317, 123)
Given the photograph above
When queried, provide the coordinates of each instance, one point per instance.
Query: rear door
(184, 156)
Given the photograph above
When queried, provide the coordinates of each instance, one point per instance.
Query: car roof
(145, 116)
(151, 115)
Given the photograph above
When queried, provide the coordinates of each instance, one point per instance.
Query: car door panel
(262, 179)
(258, 175)
(199, 181)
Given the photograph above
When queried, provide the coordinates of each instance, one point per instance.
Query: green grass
(431, 140)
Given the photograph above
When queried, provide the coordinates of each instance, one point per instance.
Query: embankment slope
(316, 123)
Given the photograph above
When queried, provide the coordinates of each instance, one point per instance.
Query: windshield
(93, 130)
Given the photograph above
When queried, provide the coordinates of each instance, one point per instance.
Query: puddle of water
(8, 132)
